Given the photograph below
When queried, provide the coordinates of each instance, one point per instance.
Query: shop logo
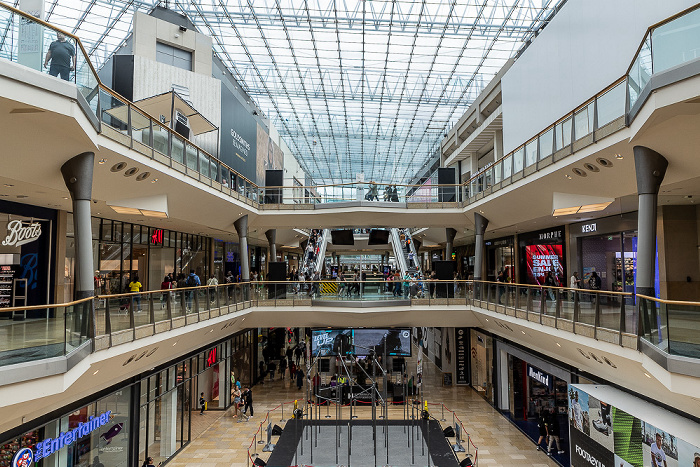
(550, 235)
(588, 458)
(537, 375)
(23, 458)
(19, 234)
(589, 227)
(49, 446)
(157, 237)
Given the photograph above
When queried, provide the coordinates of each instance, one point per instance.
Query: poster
(543, 259)
(607, 436)
(461, 341)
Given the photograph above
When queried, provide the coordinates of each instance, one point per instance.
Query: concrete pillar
(480, 224)
(450, 234)
(651, 168)
(272, 239)
(77, 174)
(497, 145)
(241, 226)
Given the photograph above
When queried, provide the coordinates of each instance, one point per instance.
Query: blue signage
(49, 446)
(23, 458)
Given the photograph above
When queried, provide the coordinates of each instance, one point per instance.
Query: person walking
(272, 367)
(236, 401)
(167, 284)
(192, 280)
(248, 400)
(553, 432)
(542, 423)
(283, 367)
(202, 403)
(300, 378)
(134, 287)
(297, 354)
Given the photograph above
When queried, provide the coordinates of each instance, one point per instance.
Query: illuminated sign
(23, 458)
(19, 233)
(50, 445)
(211, 359)
(585, 228)
(157, 237)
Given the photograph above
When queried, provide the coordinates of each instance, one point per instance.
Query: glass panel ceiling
(352, 86)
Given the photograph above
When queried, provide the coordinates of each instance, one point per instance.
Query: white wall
(588, 45)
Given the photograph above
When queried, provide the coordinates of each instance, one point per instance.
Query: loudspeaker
(467, 462)
(449, 432)
(446, 194)
(273, 178)
(444, 270)
(259, 461)
(277, 431)
(277, 271)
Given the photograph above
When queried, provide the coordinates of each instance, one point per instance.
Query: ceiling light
(158, 214)
(566, 211)
(154, 180)
(594, 207)
(581, 209)
(174, 344)
(8, 185)
(568, 177)
(647, 375)
(96, 371)
(65, 197)
(125, 210)
(523, 332)
(102, 161)
(558, 344)
(619, 156)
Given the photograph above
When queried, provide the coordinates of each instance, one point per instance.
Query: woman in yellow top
(135, 286)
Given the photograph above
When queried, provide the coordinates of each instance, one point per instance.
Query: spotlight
(183, 28)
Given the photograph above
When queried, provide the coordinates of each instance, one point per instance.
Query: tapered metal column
(272, 239)
(480, 224)
(77, 174)
(450, 237)
(241, 226)
(651, 169)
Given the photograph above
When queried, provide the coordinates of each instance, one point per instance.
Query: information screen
(398, 341)
(542, 259)
(331, 342)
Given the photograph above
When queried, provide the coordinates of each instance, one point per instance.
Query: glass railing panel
(141, 309)
(488, 177)
(191, 154)
(676, 42)
(113, 112)
(204, 164)
(86, 80)
(507, 166)
(587, 307)
(683, 323)
(160, 305)
(546, 143)
(119, 309)
(140, 128)
(178, 303)
(160, 140)
(44, 336)
(611, 105)
(531, 153)
(497, 172)
(583, 121)
(568, 301)
(177, 149)
(9, 27)
(562, 134)
(640, 72)
(518, 160)
(609, 310)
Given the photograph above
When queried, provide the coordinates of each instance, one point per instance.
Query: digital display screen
(398, 341)
(331, 342)
(542, 259)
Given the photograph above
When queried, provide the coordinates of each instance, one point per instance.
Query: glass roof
(353, 86)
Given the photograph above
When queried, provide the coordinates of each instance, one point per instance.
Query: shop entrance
(612, 257)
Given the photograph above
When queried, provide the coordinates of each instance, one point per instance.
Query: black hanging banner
(462, 352)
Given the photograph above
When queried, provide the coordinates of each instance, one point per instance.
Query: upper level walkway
(95, 343)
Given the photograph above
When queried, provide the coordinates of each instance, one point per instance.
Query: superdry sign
(462, 349)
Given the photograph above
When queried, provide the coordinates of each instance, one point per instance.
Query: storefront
(608, 248)
(482, 363)
(226, 259)
(122, 251)
(542, 253)
(27, 257)
(500, 257)
(151, 417)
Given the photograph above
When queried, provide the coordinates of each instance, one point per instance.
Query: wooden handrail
(669, 302)
(43, 307)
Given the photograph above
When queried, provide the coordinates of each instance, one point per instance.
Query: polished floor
(226, 441)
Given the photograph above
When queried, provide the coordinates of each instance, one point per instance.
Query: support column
(651, 168)
(450, 234)
(77, 174)
(272, 239)
(241, 226)
(480, 224)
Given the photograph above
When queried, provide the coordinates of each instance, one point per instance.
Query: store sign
(23, 458)
(19, 234)
(50, 445)
(540, 376)
(157, 237)
(461, 337)
(586, 452)
(553, 235)
(587, 228)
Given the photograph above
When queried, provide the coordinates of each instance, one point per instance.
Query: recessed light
(647, 375)
(174, 344)
(8, 185)
(486, 319)
(523, 332)
(154, 180)
(22, 196)
(558, 344)
(102, 161)
(65, 197)
(619, 157)
(568, 177)
(96, 371)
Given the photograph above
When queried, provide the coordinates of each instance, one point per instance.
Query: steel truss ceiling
(353, 86)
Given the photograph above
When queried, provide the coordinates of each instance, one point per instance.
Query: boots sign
(19, 233)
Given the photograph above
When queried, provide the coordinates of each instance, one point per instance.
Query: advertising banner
(461, 349)
(603, 435)
(542, 259)
(238, 135)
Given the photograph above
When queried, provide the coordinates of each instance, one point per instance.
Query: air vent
(579, 172)
(131, 171)
(609, 362)
(591, 167)
(118, 167)
(604, 162)
(143, 176)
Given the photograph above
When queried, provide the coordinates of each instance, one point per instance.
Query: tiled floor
(226, 442)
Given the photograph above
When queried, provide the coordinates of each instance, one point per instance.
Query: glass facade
(151, 417)
(122, 250)
(482, 364)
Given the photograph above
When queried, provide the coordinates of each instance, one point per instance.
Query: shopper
(248, 400)
(542, 422)
(167, 284)
(283, 367)
(300, 378)
(553, 432)
(594, 281)
(202, 403)
(271, 368)
(236, 401)
(297, 354)
(135, 287)
(149, 462)
(191, 281)
(62, 56)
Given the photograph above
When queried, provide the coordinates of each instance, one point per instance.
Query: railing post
(195, 302)
(557, 309)
(577, 309)
(543, 301)
(108, 321)
(596, 323)
(65, 326)
(517, 300)
(132, 323)
(183, 304)
(150, 138)
(623, 320)
(128, 126)
(152, 312)
(169, 307)
(528, 303)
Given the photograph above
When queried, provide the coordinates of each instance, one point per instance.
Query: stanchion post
(443, 413)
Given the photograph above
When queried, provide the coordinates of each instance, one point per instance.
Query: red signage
(211, 359)
(157, 237)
